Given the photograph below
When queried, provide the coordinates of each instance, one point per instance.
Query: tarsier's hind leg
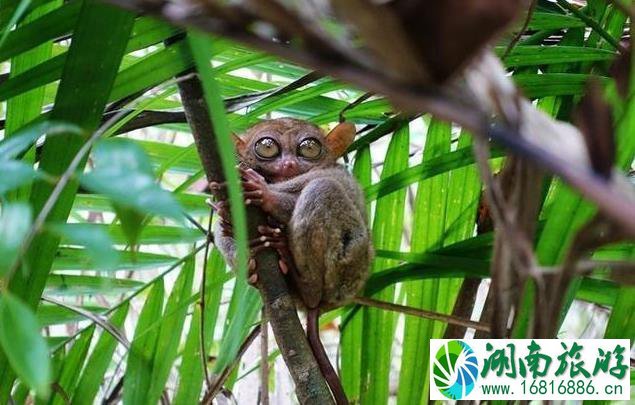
(330, 244)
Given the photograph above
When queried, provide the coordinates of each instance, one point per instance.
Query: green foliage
(99, 361)
(23, 345)
(138, 377)
(388, 225)
(124, 174)
(97, 242)
(15, 220)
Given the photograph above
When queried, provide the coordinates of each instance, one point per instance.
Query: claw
(283, 267)
(269, 231)
(253, 201)
(267, 245)
(267, 241)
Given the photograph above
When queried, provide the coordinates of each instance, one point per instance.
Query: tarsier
(318, 217)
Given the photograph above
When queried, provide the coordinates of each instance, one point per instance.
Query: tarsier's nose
(289, 164)
(288, 167)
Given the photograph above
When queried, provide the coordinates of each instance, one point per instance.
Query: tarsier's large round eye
(267, 148)
(310, 148)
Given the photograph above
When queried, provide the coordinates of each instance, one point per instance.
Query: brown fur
(320, 204)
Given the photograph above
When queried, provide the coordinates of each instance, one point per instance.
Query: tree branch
(279, 306)
(224, 375)
(422, 313)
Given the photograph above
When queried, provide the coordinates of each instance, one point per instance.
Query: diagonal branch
(279, 306)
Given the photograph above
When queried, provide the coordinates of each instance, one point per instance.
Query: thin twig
(222, 377)
(134, 294)
(354, 104)
(264, 359)
(513, 255)
(431, 99)
(519, 35)
(58, 389)
(96, 318)
(115, 372)
(197, 224)
(421, 313)
(463, 306)
(113, 397)
(585, 267)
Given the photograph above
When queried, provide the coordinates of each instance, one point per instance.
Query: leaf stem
(421, 313)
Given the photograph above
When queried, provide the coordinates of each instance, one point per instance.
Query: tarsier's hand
(271, 236)
(256, 192)
(256, 189)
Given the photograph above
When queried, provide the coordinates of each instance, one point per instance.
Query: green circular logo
(455, 369)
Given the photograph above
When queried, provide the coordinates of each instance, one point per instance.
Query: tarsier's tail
(313, 333)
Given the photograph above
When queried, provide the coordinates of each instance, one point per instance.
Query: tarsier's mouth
(278, 178)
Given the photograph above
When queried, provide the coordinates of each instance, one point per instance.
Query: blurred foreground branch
(469, 99)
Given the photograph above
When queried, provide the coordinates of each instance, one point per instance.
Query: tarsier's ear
(239, 143)
(340, 138)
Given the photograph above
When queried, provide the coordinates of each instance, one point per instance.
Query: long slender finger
(255, 194)
(265, 239)
(249, 185)
(251, 174)
(269, 231)
(267, 245)
(256, 202)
